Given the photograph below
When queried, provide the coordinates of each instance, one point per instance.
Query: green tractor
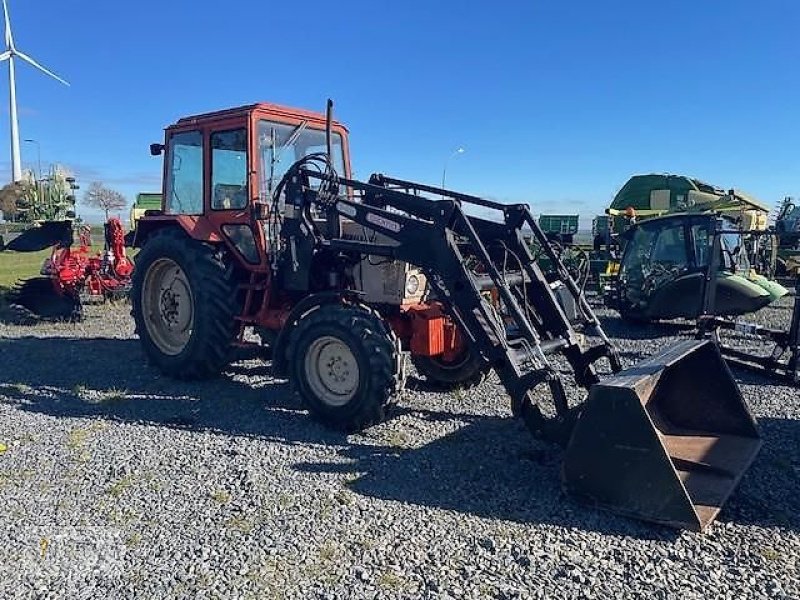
(664, 264)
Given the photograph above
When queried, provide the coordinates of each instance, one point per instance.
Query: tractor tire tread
(471, 375)
(213, 282)
(382, 347)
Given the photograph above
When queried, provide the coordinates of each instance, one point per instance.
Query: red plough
(73, 276)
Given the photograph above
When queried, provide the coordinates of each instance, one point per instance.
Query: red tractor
(72, 276)
(262, 226)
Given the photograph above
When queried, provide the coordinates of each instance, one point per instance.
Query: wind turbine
(9, 55)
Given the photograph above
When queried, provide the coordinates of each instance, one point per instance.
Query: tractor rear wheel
(344, 363)
(466, 370)
(184, 298)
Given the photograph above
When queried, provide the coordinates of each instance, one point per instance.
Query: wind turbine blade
(28, 59)
(5, 55)
(9, 38)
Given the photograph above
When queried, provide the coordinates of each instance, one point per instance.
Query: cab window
(280, 145)
(670, 247)
(702, 245)
(229, 169)
(185, 174)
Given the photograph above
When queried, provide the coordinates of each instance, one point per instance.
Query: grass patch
(112, 395)
(350, 479)
(220, 496)
(119, 487)
(397, 439)
(390, 580)
(240, 523)
(366, 543)
(769, 553)
(19, 265)
(343, 497)
(76, 441)
(22, 388)
(14, 476)
(90, 396)
(77, 438)
(327, 551)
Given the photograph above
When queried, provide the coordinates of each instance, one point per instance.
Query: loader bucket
(666, 440)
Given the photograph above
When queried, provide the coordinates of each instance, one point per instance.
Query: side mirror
(156, 149)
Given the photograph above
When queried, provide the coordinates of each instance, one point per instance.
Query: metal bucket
(666, 440)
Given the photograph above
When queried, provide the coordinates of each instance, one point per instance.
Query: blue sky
(557, 103)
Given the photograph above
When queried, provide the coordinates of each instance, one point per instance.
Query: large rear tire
(344, 363)
(464, 371)
(183, 303)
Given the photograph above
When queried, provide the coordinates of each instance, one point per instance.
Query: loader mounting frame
(438, 236)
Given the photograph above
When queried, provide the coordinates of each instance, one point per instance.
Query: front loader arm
(467, 260)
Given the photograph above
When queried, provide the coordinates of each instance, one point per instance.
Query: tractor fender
(306, 305)
(195, 227)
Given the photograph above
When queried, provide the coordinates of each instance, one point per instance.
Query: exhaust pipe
(666, 440)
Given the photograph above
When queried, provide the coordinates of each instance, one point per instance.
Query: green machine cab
(663, 266)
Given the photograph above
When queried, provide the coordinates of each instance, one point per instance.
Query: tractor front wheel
(183, 303)
(344, 363)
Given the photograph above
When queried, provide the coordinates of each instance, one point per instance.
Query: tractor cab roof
(265, 109)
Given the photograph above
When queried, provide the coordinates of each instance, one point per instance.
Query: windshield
(280, 145)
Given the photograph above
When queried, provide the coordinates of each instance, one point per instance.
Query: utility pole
(455, 152)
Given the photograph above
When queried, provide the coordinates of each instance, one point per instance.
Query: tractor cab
(221, 168)
(664, 266)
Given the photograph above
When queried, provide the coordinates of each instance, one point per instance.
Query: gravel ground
(117, 482)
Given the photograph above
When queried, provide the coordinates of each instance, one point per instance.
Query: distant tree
(106, 199)
(15, 197)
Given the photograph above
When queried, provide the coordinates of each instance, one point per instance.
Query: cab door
(228, 187)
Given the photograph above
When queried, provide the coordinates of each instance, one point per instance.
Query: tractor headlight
(412, 285)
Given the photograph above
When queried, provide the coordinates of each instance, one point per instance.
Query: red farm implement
(73, 274)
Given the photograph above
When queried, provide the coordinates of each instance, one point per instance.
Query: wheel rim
(331, 370)
(168, 306)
